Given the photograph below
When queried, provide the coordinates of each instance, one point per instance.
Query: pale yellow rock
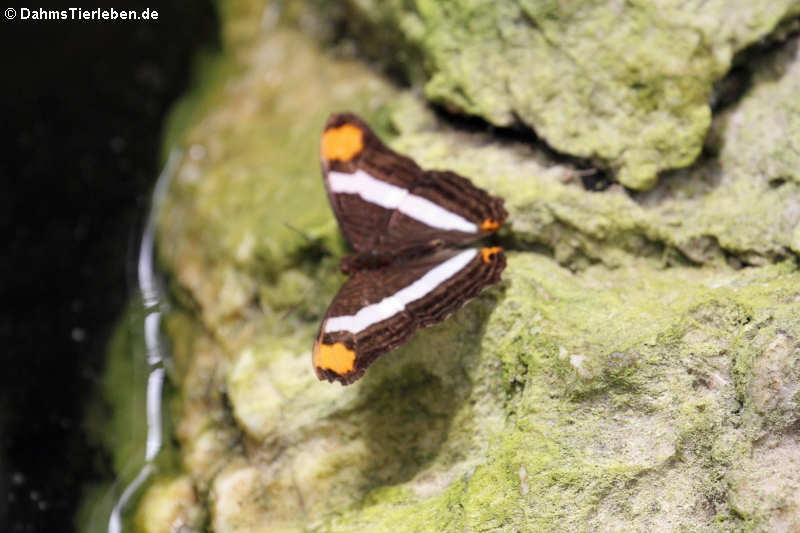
(167, 506)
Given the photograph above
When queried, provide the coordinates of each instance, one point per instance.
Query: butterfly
(405, 225)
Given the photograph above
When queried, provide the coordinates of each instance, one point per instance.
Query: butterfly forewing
(459, 206)
(384, 201)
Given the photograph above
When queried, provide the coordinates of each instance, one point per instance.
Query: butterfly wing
(435, 210)
(385, 202)
(376, 311)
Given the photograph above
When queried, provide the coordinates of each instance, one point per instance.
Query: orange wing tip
(335, 357)
(342, 143)
(488, 254)
(490, 224)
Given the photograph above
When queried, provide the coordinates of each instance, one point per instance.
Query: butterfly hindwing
(377, 310)
(385, 202)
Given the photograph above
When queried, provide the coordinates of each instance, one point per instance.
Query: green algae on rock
(751, 170)
(543, 413)
(638, 379)
(626, 85)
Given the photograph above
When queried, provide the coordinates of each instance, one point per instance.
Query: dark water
(83, 104)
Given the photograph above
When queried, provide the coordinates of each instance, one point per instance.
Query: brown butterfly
(404, 224)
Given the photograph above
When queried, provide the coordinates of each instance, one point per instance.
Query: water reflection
(152, 295)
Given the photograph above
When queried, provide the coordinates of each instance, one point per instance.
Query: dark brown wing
(349, 145)
(453, 193)
(385, 202)
(376, 311)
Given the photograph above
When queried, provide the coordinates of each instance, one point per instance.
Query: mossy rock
(636, 369)
(627, 85)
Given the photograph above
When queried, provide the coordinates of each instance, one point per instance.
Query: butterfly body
(405, 225)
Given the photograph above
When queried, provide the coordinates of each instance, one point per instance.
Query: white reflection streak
(155, 384)
(152, 325)
(151, 297)
(147, 280)
(115, 522)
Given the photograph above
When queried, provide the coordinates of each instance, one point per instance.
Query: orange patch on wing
(342, 143)
(488, 254)
(490, 224)
(335, 357)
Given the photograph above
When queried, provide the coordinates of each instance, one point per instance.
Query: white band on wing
(396, 303)
(391, 196)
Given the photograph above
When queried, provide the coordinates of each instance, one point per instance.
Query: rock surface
(638, 369)
(626, 84)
